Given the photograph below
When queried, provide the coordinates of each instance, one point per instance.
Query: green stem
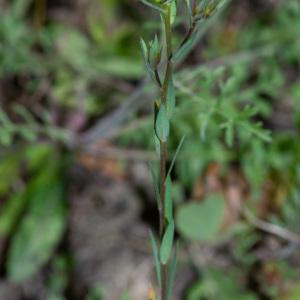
(163, 145)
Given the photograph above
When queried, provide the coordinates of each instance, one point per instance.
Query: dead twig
(270, 228)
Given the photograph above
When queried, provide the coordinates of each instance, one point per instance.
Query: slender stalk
(162, 223)
(165, 262)
(163, 146)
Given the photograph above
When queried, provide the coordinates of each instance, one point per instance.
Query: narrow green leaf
(25, 114)
(175, 155)
(144, 48)
(229, 86)
(154, 53)
(168, 200)
(152, 6)
(162, 124)
(229, 132)
(155, 184)
(205, 119)
(184, 49)
(172, 272)
(156, 257)
(171, 100)
(167, 243)
(156, 45)
(145, 53)
(257, 130)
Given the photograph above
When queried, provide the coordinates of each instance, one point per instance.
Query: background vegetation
(76, 198)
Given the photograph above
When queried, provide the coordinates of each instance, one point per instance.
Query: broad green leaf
(156, 257)
(201, 221)
(171, 100)
(167, 243)
(168, 200)
(162, 124)
(41, 228)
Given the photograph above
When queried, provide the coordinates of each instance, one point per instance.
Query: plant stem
(163, 163)
(163, 146)
(162, 223)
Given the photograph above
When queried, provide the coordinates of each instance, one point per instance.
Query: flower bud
(154, 53)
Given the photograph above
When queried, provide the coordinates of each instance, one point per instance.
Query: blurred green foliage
(224, 112)
(42, 206)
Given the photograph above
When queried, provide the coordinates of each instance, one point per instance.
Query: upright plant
(159, 59)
